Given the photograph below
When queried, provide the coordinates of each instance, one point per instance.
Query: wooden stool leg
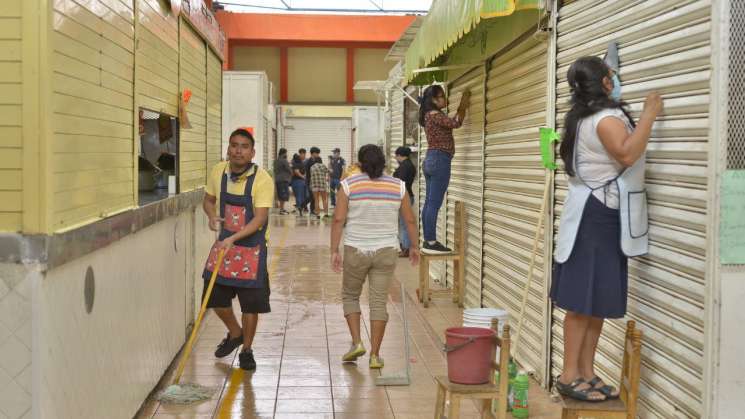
(486, 409)
(454, 411)
(456, 282)
(460, 272)
(440, 403)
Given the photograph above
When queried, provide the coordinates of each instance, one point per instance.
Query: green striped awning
(449, 20)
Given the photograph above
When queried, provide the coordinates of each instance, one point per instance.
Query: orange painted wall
(313, 28)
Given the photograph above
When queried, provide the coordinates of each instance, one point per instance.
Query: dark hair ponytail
(372, 160)
(427, 102)
(585, 79)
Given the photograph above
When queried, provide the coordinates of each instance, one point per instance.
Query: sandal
(570, 390)
(607, 390)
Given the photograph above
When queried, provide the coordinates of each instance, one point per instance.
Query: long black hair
(427, 101)
(585, 78)
(372, 160)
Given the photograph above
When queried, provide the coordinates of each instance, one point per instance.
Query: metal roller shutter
(397, 126)
(514, 181)
(466, 180)
(214, 110)
(665, 46)
(324, 133)
(193, 141)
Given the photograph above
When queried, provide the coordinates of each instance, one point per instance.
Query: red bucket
(470, 352)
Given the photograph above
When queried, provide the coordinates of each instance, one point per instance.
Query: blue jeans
(334, 185)
(436, 168)
(403, 234)
(298, 188)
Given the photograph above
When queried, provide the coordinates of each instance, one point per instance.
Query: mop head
(186, 393)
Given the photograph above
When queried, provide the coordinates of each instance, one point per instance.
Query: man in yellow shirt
(239, 195)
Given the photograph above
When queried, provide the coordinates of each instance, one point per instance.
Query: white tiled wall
(104, 364)
(15, 340)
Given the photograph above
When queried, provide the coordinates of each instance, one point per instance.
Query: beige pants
(378, 267)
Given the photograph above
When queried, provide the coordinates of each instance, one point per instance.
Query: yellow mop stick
(193, 336)
(526, 291)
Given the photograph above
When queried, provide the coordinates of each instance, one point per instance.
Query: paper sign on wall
(732, 218)
(183, 102)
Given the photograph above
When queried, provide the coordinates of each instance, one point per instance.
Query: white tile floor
(299, 345)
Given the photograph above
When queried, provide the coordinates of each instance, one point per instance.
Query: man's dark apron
(244, 265)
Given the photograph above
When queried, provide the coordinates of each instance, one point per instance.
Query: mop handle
(406, 328)
(202, 310)
(531, 268)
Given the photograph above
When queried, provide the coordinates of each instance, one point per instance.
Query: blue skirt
(594, 280)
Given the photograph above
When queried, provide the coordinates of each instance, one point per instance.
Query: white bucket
(482, 317)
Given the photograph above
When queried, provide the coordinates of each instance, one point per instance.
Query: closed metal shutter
(664, 46)
(514, 183)
(397, 126)
(214, 110)
(466, 179)
(324, 133)
(193, 141)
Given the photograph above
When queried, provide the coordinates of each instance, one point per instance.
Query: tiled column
(15, 339)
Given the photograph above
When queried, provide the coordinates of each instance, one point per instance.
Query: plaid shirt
(439, 130)
(318, 178)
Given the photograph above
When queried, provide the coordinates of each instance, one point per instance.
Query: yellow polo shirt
(262, 191)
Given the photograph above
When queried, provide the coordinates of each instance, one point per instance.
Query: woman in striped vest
(368, 209)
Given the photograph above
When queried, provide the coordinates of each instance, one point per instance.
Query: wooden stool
(625, 406)
(486, 392)
(458, 257)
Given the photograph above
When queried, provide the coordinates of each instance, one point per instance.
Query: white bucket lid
(486, 312)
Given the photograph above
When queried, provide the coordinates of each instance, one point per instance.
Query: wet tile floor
(298, 348)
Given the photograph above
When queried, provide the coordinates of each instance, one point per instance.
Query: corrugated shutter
(193, 141)
(397, 126)
(514, 182)
(214, 109)
(324, 133)
(664, 45)
(466, 180)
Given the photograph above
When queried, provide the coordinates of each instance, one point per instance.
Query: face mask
(615, 94)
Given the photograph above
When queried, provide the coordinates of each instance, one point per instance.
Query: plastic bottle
(520, 388)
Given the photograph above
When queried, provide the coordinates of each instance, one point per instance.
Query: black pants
(310, 201)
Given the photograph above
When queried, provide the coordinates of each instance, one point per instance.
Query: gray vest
(632, 211)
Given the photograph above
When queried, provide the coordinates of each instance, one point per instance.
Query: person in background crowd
(298, 183)
(406, 172)
(237, 199)
(436, 167)
(368, 208)
(315, 152)
(604, 156)
(352, 169)
(319, 185)
(282, 178)
(336, 169)
(304, 158)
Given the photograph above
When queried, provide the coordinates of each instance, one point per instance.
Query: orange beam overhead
(306, 28)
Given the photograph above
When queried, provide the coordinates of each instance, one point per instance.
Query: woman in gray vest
(604, 219)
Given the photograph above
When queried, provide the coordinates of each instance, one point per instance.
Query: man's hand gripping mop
(189, 393)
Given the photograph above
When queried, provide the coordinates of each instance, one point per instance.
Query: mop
(190, 393)
(402, 378)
